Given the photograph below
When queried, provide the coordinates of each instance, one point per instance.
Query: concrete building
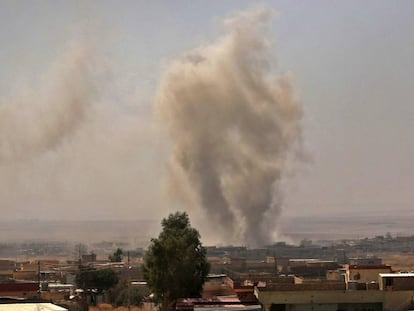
(6, 265)
(88, 258)
(56, 291)
(43, 264)
(365, 273)
(322, 298)
(311, 268)
(365, 261)
(6, 269)
(31, 307)
(217, 285)
(396, 281)
(27, 275)
(19, 290)
(220, 303)
(396, 293)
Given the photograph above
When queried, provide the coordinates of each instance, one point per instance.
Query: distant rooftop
(229, 307)
(397, 275)
(364, 267)
(31, 307)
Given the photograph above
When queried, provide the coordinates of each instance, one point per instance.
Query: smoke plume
(36, 120)
(73, 146)
(232, 122)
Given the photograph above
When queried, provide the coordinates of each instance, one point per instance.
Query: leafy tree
(105, 279)
(122, 294)
(175, 265)
(99, 279)
(116, 256)
(80, 249)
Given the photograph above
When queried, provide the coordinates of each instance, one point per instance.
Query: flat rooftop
(397, 275)
(30, 307)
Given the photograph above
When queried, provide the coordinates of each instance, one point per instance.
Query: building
(19, 290)
(365, 261)
(56, 291)
(365, 273)
(396, 281)
(395, 293)
(311, 268)
(217, 285)
(7, 265)
(88, 258)
(220, 303)
(27, 275)
(31, 307)
(6, 269)
(323, 296)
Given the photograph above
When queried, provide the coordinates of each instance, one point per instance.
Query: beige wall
(397, 300)
(311, 307)
(333, 275)
(25, 275)
(54, 296)
(391, 300)
(20, 294)
(365, 275)
(399, 283)
(327, 296)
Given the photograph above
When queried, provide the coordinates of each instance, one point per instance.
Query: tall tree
(116, 256)
(100, 279)
(175, 265)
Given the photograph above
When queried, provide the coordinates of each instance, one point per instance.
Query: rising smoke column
(232, 122)
(73, 145)
(38, 119)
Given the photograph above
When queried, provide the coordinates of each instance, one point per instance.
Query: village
(364, 274)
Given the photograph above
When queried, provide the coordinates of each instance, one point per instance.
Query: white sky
(352, 63)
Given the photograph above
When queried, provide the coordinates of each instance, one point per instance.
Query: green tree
(80, 249)
(100, 279)
(175, 265)
(123, 295)
(116, 256)
(105, 279)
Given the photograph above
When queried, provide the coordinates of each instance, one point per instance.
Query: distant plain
(139, 232)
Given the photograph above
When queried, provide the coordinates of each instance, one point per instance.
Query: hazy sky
(351, 63)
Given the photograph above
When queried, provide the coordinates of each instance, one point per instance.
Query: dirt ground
(108, 307)
(398, 261)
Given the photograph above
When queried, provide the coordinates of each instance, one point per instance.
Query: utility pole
(38, 277)
(275, 260)
(129, 283)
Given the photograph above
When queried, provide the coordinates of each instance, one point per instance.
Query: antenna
(129, 284)
(38, 277)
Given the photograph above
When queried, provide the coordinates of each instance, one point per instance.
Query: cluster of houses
(283, 284)
(38, 283)
(236, 284)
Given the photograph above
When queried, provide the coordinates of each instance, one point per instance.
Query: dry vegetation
(399, 261)
(108, 307)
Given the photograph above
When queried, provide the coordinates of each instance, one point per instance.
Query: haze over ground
(350, 63)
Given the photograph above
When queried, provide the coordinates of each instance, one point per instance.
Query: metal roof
(31, 307)
(397, 275)
(240, 307)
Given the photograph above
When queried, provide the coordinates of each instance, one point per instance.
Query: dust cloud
(232, 123)
(35, 120)
(73, 147)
